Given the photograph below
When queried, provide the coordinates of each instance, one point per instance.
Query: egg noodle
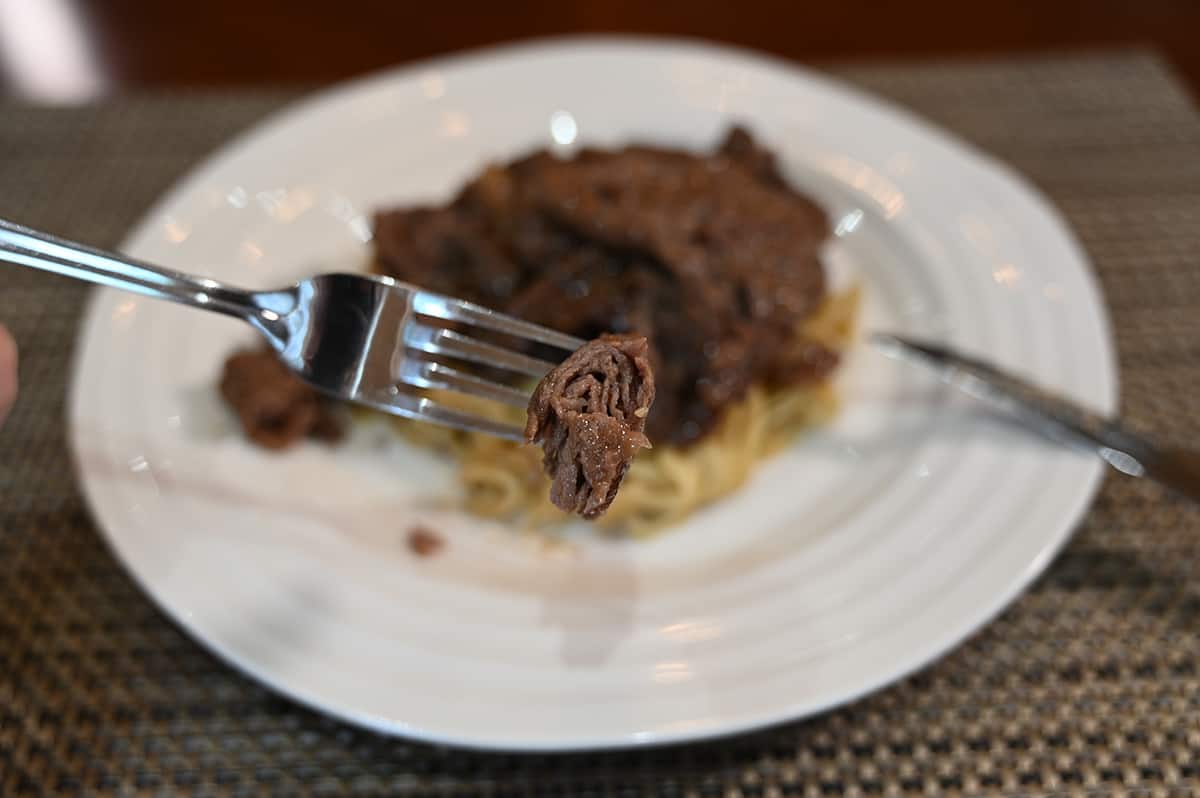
(504, 480)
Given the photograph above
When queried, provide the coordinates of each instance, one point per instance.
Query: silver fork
(364, 339)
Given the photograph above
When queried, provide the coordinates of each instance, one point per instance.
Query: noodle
(502, 479)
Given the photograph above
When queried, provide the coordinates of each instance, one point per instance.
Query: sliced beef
(276, 408)
(589, 415)
(713, 258)
(448, 250)
(741, 147)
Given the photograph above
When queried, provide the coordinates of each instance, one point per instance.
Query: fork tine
(454, 344)
(424, 409)
(450, 309)
(438, 376)
(432, 411)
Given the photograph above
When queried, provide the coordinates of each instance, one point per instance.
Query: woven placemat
(1089, 684)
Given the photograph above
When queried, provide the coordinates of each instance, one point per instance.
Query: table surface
(1088, 684)
(65, 48)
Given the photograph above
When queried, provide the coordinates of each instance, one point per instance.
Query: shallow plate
(861, 553)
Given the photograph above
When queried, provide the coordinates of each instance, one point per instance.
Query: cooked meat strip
(276, 408)
(713, 258)
(589, 415)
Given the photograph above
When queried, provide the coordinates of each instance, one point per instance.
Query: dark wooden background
(115, 45)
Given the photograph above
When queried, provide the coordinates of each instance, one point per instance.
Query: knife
(1053, 416)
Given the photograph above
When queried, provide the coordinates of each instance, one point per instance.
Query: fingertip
(8, 372)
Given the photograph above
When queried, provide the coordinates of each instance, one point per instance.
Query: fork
(370, 340)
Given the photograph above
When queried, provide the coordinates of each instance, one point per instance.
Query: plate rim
(985, 164)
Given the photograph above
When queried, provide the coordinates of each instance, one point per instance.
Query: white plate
(860, 554)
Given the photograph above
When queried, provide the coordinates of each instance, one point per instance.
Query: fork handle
(26, 247)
